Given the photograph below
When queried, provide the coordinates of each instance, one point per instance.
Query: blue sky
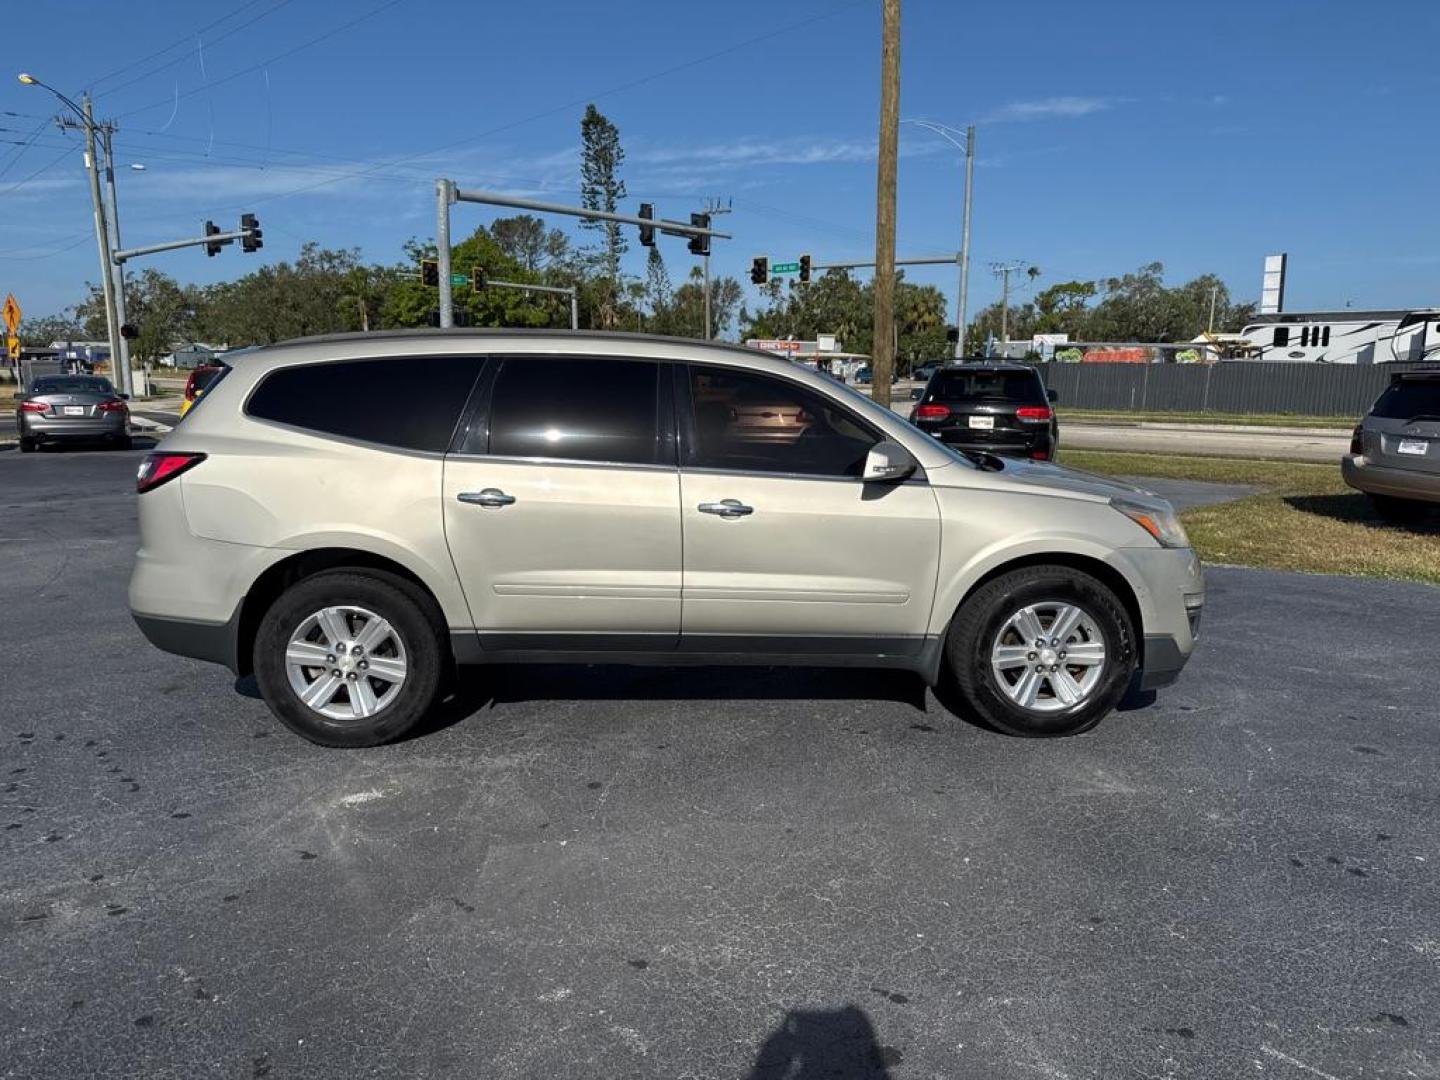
(1110, 134)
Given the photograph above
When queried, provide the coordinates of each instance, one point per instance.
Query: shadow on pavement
(1357, 508)
(834, 1044)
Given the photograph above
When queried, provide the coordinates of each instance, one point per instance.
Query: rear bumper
(213, 642)
(1032, 442)
(1397, 483)
(33, 426)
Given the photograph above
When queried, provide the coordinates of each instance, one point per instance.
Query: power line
(29, 140)
(43, 168)
(185, 40)
(181, 59)
(265, 63)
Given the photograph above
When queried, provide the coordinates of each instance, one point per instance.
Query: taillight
(932, 412)
(34, 406)
(1357, 440)
(1033, 412)
(190, 387)
(159, 467)
(112, 406)
(1040, 455)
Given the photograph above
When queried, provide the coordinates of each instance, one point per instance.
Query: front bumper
(1171, 591)
(1397, 483)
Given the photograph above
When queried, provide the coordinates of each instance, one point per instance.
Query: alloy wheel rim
(1048, 657)
(345, 662)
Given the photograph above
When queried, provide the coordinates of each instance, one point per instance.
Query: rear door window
(410, 402)
(1409, 399)
(989, 387)
(575, 409)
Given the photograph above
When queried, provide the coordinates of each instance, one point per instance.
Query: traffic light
(700, 245)
(430, 272)
(647, 232)
(253, 240)
(759, 270)
(477, 278)
(952, 334)
(129, 331)
(804, 267)
(212, 247)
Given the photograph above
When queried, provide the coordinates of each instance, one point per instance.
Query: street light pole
(949, 134)
(102, 231)
(965, 244)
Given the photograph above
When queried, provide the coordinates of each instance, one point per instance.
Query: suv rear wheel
(350, 658)
(1042, 651)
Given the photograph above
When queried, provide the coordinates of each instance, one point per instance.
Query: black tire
(415, 619)
(979, 621)
(27, 446)
(1400, 511)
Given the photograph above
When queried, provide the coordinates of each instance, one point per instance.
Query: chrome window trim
(574, 463)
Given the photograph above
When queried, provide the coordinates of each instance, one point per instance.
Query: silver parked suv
(351, 517)
(1395, 451)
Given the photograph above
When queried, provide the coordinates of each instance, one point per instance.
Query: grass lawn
(1305, 519)
(1339, 423)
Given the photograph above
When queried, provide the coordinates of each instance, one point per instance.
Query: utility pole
(102, 238)
(883, 347)
(961, 310)
(107, 132)
(1003, 271)
(1210, 326)
(713, 209)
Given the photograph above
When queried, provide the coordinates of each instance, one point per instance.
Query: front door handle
(727, 508)
(488, 497)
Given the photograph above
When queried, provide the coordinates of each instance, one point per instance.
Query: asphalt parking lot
(587, 872)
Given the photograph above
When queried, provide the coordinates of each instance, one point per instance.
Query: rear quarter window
(409, 402)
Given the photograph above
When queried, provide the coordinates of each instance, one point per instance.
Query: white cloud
(1048, 109)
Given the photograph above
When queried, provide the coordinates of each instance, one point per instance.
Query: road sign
(12, 314)
(785, 268)
(13, 344)
(459, 279)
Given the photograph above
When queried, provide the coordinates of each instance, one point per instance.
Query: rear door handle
(488, 497)
(727, 508)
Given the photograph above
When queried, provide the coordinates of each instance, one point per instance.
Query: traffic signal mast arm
(217, 238)
(669, 228)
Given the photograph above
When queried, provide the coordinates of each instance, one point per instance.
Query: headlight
(1161, 523)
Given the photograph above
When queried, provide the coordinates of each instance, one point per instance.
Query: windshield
(1408, 399)
(72, 384)
(1011, 386)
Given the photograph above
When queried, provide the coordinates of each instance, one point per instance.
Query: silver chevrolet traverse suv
(351, 517)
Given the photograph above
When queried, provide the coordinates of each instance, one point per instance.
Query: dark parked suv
(996, 408)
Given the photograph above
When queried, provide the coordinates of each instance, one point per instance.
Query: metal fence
(1233, 387)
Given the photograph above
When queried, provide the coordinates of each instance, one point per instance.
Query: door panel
(582, 549)
(817, 558)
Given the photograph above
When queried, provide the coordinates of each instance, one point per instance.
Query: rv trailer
(1345, 337)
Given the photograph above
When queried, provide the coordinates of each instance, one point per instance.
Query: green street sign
(459, 279)
(785, 268)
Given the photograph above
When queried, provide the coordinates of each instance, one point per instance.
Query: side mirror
(1052, 396)
(917, 393)
(123, 397)
(888, 463)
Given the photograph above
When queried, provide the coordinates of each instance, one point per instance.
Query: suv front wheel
(1042, 651)
(350, 658)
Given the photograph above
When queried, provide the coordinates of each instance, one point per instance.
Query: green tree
(525, 239)
(38, 333)
(165, 312)
(601, 187)
(285, 300)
